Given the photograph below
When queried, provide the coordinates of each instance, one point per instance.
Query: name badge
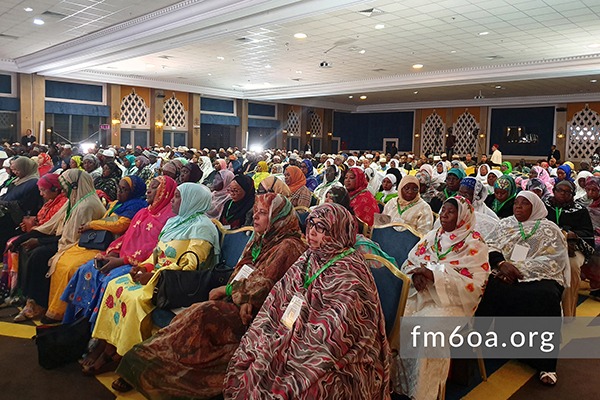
(243, 273)
(228, 227)
(519, 252)
(292, 312)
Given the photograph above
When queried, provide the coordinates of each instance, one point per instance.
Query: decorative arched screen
(466, 129)
(293, 124)
(175, 115)
(434, 131)
(134, 111)
(583, 133)
(316, 126)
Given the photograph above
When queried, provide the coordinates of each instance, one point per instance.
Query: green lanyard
(530, 234)
(498, 208)
(256, 252)
(308, 281)
(188, 219)
(449, 195)
(227, 216)
(353, 197)
(558, 211)
(114, 208)
(402, 211)
(444, 254)
(70, 209)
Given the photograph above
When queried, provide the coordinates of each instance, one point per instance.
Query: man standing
(28, 139)
(554, 153)
(496, 158)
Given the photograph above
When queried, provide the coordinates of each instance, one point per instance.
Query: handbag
(59, 345)
(177, 288)
(98, 240)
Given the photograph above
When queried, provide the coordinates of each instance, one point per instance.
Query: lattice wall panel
(465, 129)
(316, 126)
(583, 135)
(6, 120)
(175, 114)
(293, 124)
(433, 134)
(134, 111)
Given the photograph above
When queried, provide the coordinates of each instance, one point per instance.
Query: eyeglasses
(563, 191)
(233, 191)
(319, 226)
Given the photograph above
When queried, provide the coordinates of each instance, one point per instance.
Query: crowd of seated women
(300, 315)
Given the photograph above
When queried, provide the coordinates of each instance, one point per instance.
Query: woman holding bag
(124, 312)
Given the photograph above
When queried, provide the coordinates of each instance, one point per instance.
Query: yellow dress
(124, 313)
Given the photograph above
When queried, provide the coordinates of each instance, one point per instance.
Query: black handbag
(177, 288)
(98, 240)
(59, 345)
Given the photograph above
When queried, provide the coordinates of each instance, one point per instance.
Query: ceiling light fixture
(220, 58)
(28, 9)
(498, 86)
(483, 33)
(363, 97)
(267, 66)
(350, 97)
(594, 45)
(363, 51)
(416, 92)
(379, 26)
(38, 21)
(417, 66)
(594, 80)
(298, 71)
(452, 51)
(300, 35)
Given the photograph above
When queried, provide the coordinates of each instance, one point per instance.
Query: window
(135, 137)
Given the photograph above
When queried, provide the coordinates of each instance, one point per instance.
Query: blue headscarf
(191, 221)
(135, 202)
(567, 170)
(311, 180)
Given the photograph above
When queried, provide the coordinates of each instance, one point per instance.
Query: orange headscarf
(297, 178)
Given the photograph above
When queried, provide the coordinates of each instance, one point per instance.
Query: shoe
(32, 310)
(595, 294)
(49, 321)
(121, 385)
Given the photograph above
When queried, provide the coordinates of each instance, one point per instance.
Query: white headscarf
(580, 192)
(438, 177)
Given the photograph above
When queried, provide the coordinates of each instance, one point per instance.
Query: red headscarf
(361, 180)
(297, 178)
(44, 163)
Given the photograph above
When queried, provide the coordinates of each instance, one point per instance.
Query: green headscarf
(508, 166)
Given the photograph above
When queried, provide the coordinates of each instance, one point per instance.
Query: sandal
(121, 385)
(109, 363)
(548, 378)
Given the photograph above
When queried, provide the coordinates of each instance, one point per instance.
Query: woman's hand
(421, 277)
(84, 227)
(143, 277)
(30, 244)
(111, 263)
(246, 313)
(135, 271)
(508, 273)
(217, 293)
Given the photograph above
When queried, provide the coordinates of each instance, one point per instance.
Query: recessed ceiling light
(498, 86)
(298, 71)
(350, 97)
(267, 66)
(363, 51)
(453, 51)
(300, 35)
(379, 26)
(483, 33)
(28, 9)
(417, 66)
(594, 45)
(38, 21)
(363, 97)
(594, 80)
(220, 58)
(416, 92)
(209, 74)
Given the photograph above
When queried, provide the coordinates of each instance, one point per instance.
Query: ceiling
(473, 52)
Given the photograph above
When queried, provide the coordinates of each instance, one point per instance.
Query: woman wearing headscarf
(209, 332)
(307, 168)
(486, 221)
(129, 164)
(273, 185)
(238, 209)
(492, 177)
(389, 191)
(580, 181)
(439, 174)
(296, 181)
(426, 189)
(331, 179)
(190, 172)
(91, 165)
(563, 173)
(108, 182)
(144, 169)
(520, 280)
(86, 287)
(54, 199)
(374, 180)
(409, 208)
(541, 174)
(574, 219)
(48, 243)
(538, 187)
(449, 286)
(332, 290)
(76, 163)
(188, 241)
(506, 168)
(130, 199)
(505, 191)
(172, 169)
(220, 195)
(45, 164)
(208, 171)
(592, 188)
(22, 198)
(361, 200)
(262, 171)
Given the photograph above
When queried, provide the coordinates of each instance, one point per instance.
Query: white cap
(108, 153)
(6, 163)
(437, 158)
(3, 155)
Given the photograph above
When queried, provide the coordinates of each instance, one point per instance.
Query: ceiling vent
(5, 36)
(53, 14)
(370, 12)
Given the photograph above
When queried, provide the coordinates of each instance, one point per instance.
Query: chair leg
(442, 392)
(481, 365)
